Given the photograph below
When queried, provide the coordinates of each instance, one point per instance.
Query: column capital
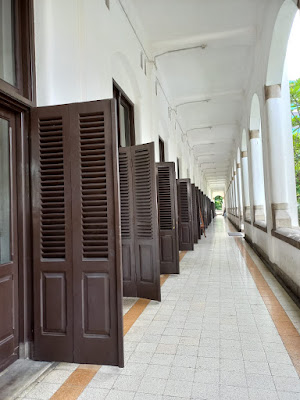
(238, 165)
(244, 154)
(254, 134)
(273, 91)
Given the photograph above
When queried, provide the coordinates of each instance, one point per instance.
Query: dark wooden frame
(123, 99)
(24, 91)
(162, 154)
(20, 100)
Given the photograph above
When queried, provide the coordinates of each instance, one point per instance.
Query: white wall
(81, 46)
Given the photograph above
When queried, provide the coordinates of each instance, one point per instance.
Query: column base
(247, 213)
(280, 215)
(259, 213)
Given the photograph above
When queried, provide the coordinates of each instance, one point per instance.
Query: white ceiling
(217, 73)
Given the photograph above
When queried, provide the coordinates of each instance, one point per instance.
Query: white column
(239, 183)
(257, 175)
(277, 153)
(247, 212)
(236, 194)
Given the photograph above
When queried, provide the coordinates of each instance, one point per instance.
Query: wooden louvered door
(146, 221)
(167, 217)
(195, 219)
(139, 222)
(185, 218)
(198, 211)
(127, 223)
(96, 236)
(52, 234)
(9, 332)
(77, 249)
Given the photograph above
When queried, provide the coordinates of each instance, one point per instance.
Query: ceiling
(204, 50)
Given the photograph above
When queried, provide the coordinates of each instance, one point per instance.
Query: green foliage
(218, 202)
(295, 109)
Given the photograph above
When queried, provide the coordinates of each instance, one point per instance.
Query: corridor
(225, 329)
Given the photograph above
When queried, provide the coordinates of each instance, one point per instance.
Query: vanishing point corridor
(225, 329)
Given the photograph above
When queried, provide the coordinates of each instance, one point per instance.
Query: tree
(218, 202)
(295, 110)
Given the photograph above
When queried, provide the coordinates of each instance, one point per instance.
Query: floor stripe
(288, 333)
(72, 388)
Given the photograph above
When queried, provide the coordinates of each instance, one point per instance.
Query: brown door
(77, 277)
(140, 247)
(168, 218)
(9, 338)
(195, 219)
(198, 211)
(185, 217)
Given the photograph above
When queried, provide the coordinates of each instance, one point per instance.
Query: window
(161, 150)
(7, 42)
(125, 115)
(178, 169)
(16, 48)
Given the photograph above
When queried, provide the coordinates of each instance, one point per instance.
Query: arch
(255, 118)
(124, 75)
(281, 34)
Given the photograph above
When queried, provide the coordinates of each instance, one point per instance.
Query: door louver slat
(184, 202)
(143, 201)
(164, 196)
(93, 186)
(124, 195)
(52, 195)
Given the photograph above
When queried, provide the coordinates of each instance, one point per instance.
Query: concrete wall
(82, 46)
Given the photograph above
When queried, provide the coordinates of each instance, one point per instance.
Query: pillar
(247, 212)
(257, 176)
(278, 167)
(239, 184)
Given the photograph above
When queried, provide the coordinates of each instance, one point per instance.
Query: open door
(195, 218)
(168, 217)
(9, 329)
(76, 234)
(185, 214)
(139, 222)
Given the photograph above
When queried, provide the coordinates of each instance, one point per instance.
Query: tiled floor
(211, 337)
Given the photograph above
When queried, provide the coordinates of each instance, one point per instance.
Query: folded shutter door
(127, 224)
(198, 211)
(98, 335)
(185, 220)
(195, 219)
(146, 222)
(168, 218)
(52, 241)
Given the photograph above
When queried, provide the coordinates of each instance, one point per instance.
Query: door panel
(139, 222)
(195, 219)
(168, 218)
(9, 333)
(185, 218)
(127, 226)
(95, 269)
(146, 222)
(52, 227)
(77, 277)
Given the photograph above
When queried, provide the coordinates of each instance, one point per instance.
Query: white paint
(81, 46)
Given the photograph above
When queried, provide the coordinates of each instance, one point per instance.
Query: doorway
(9, 337)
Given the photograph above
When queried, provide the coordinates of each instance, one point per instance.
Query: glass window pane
(5, 253)
(7, 42)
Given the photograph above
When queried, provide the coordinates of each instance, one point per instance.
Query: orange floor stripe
(81, 377)
(288, 333)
